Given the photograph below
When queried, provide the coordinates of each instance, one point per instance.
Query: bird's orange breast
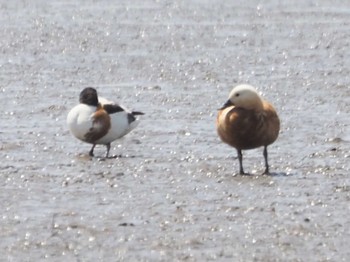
(247, 129)
(101, 124)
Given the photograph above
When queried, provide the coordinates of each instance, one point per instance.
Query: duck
(99, 121)
(247, 121)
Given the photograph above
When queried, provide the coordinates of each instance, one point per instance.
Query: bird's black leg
(91, 153)
(266, 162)
(240, 159)
(108, 148)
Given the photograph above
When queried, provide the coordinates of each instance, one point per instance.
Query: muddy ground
(174, 194)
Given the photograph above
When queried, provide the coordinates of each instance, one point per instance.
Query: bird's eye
(237, 95)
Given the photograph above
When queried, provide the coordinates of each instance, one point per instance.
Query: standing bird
(99, 121)
(246, 121)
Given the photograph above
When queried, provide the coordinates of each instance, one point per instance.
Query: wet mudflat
(174, 195)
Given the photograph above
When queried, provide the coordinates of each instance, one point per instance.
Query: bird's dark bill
(227, 104)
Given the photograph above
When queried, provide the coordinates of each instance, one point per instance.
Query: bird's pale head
(244, 96)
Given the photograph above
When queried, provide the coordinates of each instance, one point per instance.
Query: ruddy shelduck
(247, 121)
(97, 120)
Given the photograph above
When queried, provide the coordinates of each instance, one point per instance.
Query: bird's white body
(80, 121)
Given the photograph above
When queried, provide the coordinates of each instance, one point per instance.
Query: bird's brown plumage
(247, 124)
(100, 125)
(247, 129)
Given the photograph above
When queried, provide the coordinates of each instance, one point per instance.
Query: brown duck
(246, 121)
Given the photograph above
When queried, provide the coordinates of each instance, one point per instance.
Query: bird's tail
(132, 118)
(135, 113)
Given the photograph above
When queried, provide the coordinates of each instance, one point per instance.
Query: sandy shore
(174, 195)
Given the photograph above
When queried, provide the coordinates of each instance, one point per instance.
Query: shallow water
(174, 194)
